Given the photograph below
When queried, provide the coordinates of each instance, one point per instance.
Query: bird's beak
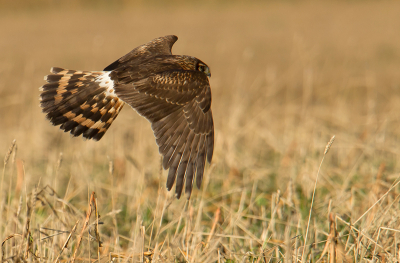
(208, 73)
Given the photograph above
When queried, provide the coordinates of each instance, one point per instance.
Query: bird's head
(202, 67)
(192, 63)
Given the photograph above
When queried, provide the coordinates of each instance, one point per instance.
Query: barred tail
(82, 102)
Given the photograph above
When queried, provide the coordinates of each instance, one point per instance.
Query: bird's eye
(203, 68)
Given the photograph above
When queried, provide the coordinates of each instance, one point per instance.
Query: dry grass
(286, 76)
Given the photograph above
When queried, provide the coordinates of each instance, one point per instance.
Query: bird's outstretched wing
(158, 46)
(177, 103)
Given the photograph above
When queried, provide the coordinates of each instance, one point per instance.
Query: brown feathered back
(156, 47)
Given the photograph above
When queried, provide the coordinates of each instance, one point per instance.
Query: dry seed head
(111, 167)
(14, 154)
(19, 206)
(328, 146)
(59, 161)
(9, 151)
(34, 197)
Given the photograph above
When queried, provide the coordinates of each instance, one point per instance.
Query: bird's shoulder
(160, 69)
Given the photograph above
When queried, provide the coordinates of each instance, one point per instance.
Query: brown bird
(171, 91)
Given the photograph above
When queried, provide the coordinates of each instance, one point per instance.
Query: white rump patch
(106, 82)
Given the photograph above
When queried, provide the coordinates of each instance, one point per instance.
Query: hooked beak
(207, 72)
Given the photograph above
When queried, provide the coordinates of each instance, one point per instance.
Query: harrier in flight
(171, 91)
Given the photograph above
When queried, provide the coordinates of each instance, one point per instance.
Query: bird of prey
(171, 91)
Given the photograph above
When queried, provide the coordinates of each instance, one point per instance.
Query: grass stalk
(328, 146)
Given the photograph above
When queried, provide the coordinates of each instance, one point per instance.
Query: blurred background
(286, 76)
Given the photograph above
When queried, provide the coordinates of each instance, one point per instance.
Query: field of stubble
(286, 77)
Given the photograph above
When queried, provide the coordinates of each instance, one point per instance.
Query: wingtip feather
(55, 70)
